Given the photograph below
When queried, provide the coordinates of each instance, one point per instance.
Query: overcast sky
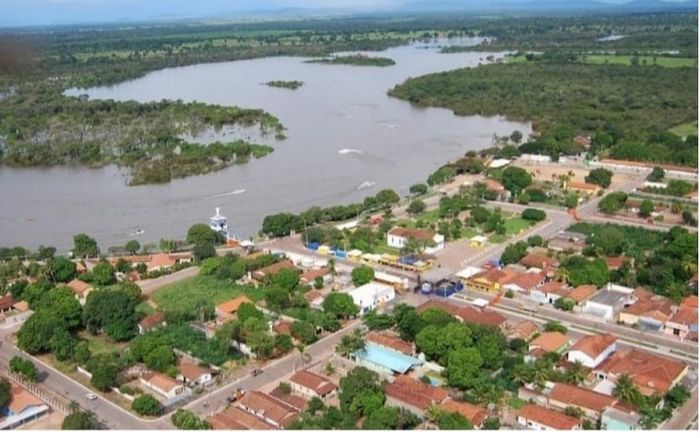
(40, 12)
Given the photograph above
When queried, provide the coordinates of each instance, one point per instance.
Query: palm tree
(562, 275)
(625, 390)
(522, 374)
(576, 373)
(540, 374)
(433, 413)
(690, 266)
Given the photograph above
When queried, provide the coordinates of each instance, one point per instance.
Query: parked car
(90, 396)
(256, 372)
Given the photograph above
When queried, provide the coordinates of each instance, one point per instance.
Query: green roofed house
(384, 360)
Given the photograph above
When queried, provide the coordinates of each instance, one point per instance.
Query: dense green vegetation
(627, 109)
(292, 85)
(360, 60)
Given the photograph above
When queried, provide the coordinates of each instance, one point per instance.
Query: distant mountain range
(547, 5)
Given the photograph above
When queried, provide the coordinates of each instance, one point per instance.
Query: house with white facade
(397, 237)
(165, 386)
(372, 295)
(592, 350)
(193, 375)
(311, 385)
(536, 417)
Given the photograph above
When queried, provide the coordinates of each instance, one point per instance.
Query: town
(507, 293)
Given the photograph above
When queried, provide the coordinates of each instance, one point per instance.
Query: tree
(85, 246)
(688, 218)
(416, 207)
(675, 398)
(160, 358)
(378, 321)
(5, 392)
(491, 423)
(418, 189)
(565, 304)
(533, 214)
(362, 275)
(186, 420)
(277, 298)
(132, 246)
(247, 311)
(104, 372)
(463, 367)
(555, 326)
(304, 331)
(612, 202)
(600, 176)
(657, 174)
(513, 253)
(146, 405)
(112, 311)
(452, 421)
(516, 136)
(609, 241)
(199, 234)
(340, 304)
(318, 282)
(515, 179)
(351, 343)
(387, 197)
(626, 391)
(646, 208)
(437, 342)
(80, 420)
(45, 252)
(360, 392)
(408, 322)
(287, 279)
(62, 344)
(35, 335)
(25, 368)
(203, 251)
(61, 269)
(81, 352)
(576, 373)
(571, 200)
(103, 273)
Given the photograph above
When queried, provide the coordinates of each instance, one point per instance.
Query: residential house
(22, 408)
(494, 186)
(581, 293)
(583, 187)
(539, 261)
(151, 321)
(312, 385)
(6, 303)
(235, 418)
(648, 311)
(525, 283)
(269, 409)
(467, 314)
(80, 289)
(536, 417)
(614, 263)
(314, 298)
(391, 342)
(567, 240)
(684, 322)
(548, 342)
(372, 295)
(563, 395)
(619, 419)
(310, 276)
(592, 350)
(192, 374)
(525, 330)
(227, 310)
(490, 280)
(550, 292)
(475, 414)
(650, 373)
(397, 237)
(163, 385)
(413, 395)
(283, 327)
(272, 269)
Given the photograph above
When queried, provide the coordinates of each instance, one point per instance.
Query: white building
(311, 385)
(536, 417)
(608, 301)
(592, 350)
(371, 296)
(163, 385)
(397, 237)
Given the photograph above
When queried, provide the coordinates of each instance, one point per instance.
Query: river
(346, 139)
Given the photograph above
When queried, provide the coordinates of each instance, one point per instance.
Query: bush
(25, 368)
(533, 214)
(146, 405)
(362, 275)
(601, 177)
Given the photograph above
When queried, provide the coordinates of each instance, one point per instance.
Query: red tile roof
(152, 320)
(657, 307)
(548, 417)
(274, 268)
(582, 293)
(270, 407)
(473, 413)
(192, 371)
(685, 316)
(319, 384)
(467, 314)
(21, 399)
(234, 418)
(691, 301)
(573, 395)
(525, 330)
(6, 302)
(412, 233)
(594, 345)
(283, 327)
(549, 341)
(615, 262)
(527, 280)
(391, 342)
(553, 287)
(312, 274)
(78, 287)
(540, 261)
(576, 185)
(649, 372)
(231, 306)
(161, 381)
(298, 402)
(414, 392)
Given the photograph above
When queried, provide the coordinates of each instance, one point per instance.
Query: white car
(90, 396)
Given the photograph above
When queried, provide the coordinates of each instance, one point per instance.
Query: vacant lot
(189, 293)
(685, 129)
(661, 61)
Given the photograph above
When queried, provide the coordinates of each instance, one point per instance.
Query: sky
(46, 12)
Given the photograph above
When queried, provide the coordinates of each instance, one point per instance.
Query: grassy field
(144, 308)
(662, 61)
(515, 224)
(101, 344)
(685, 129)
(187, 293)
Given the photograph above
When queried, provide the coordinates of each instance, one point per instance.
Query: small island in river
(362, 60)
(292, 85)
